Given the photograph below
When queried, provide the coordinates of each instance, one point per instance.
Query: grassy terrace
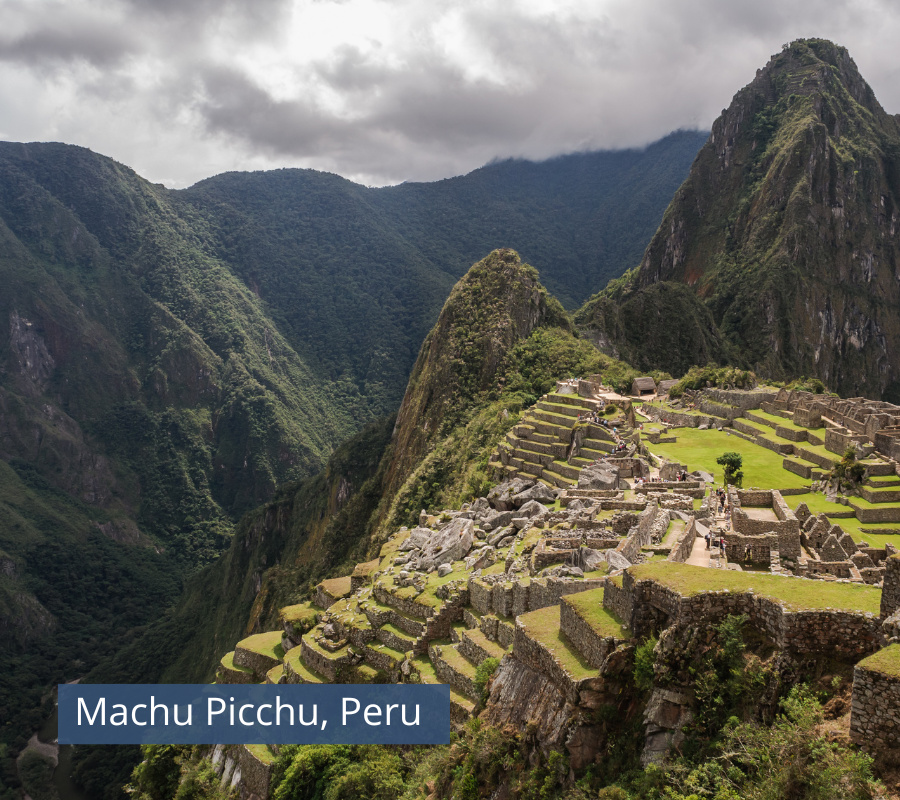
(784, 423)
(589, 606)
(886, 661)
(302, 612)
(227, 661)
(267, 644)
(797, 594)
(261, 752)
(337, 587)
(700, 449)
(543, 627)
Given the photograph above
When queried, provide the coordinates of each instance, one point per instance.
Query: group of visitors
(722, 498)
(681, 476)
(715, 541)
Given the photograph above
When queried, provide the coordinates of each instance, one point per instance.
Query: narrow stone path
(699, 556)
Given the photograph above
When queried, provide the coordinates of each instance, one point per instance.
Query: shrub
(483, 674)
(611, 408)
(643, 664)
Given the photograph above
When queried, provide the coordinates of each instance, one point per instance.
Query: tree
(732, 462)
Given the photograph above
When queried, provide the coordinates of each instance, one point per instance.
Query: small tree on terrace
(732, 463)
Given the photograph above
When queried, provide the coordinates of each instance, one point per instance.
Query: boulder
(480, 506)
(539, 492)
(507, 541)
(500, 497)
(416, 539)
(599, 476)
(532, 509)
(444, 569)
(496, 519)
(495, 538)
(616, 560)
(446, 545)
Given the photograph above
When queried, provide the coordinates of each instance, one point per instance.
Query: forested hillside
(168, 359)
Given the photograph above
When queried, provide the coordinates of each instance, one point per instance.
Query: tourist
(722, 545)
(708, 538)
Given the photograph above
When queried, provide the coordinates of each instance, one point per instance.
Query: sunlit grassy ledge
(795, 594)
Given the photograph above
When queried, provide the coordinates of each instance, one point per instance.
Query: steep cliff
(785, 231)
(497, 304)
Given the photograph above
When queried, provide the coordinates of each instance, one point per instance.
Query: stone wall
(594, 647)
(875, 713)
(509, 599)
(720, 410)
(538, 658)
(886, 514)
(890, 591)
(618, 600)
(255, 773)
(746, 400)
(681, 550)
(404, 605)
(761, 547)
(843, 634)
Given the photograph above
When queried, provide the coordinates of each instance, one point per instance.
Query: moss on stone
(886, 661)
(796, 594)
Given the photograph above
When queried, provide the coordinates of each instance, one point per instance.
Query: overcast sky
(383, 91)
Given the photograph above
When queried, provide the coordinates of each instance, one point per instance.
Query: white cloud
(390, 90)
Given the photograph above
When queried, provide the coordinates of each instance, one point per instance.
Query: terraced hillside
(552, 444)
(557, 582)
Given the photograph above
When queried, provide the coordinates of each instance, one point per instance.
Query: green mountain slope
(786, 234)
(355, 277)
(500, 341)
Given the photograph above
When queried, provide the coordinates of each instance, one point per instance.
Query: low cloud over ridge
(389, 90)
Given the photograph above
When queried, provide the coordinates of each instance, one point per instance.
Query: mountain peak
(786, 230)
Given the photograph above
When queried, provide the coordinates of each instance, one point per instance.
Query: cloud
(389, 90)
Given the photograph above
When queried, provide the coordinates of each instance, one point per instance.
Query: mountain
(500, 341)
(781, 250)
(170, 359)
(354, 277)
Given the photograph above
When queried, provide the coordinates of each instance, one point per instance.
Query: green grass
(391, 628)
(700, 449)
(380, 647)
(457, 661)
(261, 752)
(886, 661)
(228, 662)
(784, 423)
(589, 606)
(298, 612)
(266, 644)
(337, 587)
(295, 660)
(796, 594)
(543, 627)
(817, 504)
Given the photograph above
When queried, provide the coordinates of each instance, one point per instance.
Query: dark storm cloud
(396, 90)
(61, 40)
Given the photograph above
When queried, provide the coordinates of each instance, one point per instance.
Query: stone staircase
(541, 445)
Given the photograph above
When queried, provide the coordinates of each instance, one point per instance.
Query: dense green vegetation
(168, 360)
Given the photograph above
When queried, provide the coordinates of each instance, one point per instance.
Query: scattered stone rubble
(559, 545)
